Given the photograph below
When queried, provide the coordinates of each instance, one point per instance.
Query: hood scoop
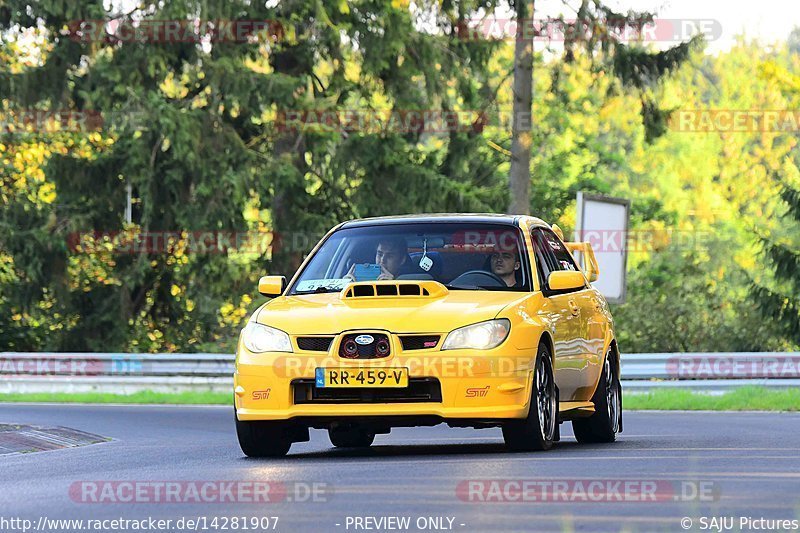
(393, 289)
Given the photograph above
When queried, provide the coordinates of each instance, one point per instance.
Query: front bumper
(475, 385)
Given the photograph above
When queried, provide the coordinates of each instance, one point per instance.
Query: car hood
(328, 313)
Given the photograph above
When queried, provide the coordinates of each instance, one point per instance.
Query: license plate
(362, 377)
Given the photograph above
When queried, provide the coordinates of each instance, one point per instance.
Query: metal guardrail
(710, 372)
(126, 373)
(119, 373)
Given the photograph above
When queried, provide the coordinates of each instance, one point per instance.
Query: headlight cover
(480, 336)
(259, 338)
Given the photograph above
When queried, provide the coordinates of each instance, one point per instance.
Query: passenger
(392, 256)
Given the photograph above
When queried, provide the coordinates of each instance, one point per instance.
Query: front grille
(419, 342)
(418, 390)
(314, 344)
(350, 348)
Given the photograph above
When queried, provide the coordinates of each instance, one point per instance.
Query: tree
(777, 294)
(203, 147)
(594, 30)
(777, 297)
(717, 190)
(520, 173)
(207, 155)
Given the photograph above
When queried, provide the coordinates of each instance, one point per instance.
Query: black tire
(606, 421)
(351, 437)
(263, 438)
(537, 431)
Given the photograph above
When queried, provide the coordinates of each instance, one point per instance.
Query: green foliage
(142, 397)
(777, 295)
(201, 151)
(742, 399)
(720, 192)
(192, 129)
(693, 299)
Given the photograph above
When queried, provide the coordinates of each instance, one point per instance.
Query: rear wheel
(263, 438)
(538, 430)
(343, 437)
(604, 424)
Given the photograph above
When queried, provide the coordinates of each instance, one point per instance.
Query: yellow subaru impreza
(469, 320)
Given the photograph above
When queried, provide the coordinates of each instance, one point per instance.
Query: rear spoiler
(588, 260)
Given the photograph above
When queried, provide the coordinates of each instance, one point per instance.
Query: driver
(392, 256)
(504, 265)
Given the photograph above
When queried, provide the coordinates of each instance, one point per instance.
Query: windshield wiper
(465, 287)
(318, 290)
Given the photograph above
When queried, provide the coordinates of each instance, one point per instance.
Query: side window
(551, 254)
(562, 256)
(545, 260)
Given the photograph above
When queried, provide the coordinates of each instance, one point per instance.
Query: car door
(562, 310)
(590, 336)
(597, 323)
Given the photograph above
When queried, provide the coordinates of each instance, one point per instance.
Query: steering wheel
(464, 279)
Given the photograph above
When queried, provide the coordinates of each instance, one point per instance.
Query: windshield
(462, 256)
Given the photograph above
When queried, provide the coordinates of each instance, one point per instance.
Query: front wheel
(537, 431)
(263, 438)
(604, 424)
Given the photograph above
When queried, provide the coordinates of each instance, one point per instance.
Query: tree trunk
(519, 180)
(285, 260)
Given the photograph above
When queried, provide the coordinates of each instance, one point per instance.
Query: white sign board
(603, 222)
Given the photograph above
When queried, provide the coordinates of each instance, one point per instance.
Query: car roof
(442, 218)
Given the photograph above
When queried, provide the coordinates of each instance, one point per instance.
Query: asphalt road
(741, 464)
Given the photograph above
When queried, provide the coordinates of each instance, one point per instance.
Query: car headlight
(480, 336)
(260, 338)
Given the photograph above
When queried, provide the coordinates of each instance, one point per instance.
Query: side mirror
(272, 285)
(564, 280)
(589, 260)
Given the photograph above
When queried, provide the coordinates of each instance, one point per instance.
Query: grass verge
(744, 399)
(144, 397)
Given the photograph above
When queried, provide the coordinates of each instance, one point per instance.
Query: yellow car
(470, 320)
